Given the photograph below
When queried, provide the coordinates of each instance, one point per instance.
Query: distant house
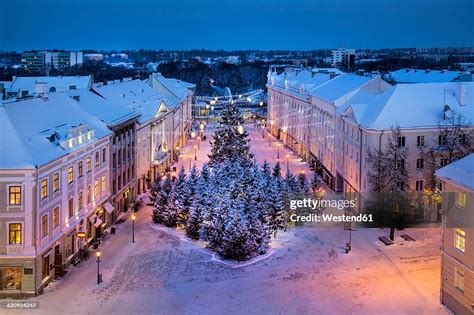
(421, 76)
(22, 87)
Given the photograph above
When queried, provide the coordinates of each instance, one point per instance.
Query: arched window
(52, 89)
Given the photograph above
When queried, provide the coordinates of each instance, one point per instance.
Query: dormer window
(71, 143)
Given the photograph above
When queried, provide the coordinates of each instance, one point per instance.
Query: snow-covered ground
(308, 272)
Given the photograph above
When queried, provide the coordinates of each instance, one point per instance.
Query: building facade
(54, 184)
(457, 248)
(334, 122)
(43, 61)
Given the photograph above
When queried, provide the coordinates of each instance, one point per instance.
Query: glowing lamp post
(195, 153)
(99, 276)
(288, 162)
(133, 227)
(278, 151)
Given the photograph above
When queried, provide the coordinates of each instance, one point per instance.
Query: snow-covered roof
(60, 83)
(460, 172)
(37, 126)
(174, 87)
(339, 86)
(111, 113)
(299, 80)
(422, 76)
(410, 105)
(138, 95)
(13, 154)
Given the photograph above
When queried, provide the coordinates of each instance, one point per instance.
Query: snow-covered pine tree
(164, 212)
(201, 205)
(231, 140)
(303, 185)
(316, 182)
(276, 212)
(155, 187)
(184, 196)
(291, 184)
(277, 170)
(237, 243)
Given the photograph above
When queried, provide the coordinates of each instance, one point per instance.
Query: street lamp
(99, 278)
(195, 153)
(207, 111)
(133, 227)
(263, 131)
(278, 151)
(190, 157)
(288, 162)
(199, 142)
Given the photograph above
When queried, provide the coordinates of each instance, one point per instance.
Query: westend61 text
(331, 218)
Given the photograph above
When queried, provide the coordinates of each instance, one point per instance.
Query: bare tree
(389, 179)
(452, 141)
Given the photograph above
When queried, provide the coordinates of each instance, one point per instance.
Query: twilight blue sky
(234, 24)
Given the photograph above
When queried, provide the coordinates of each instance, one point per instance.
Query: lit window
(460, 240)
(79, 169)
(104, 184)
(71, 207)
(14, 236)
(88, 164)
(56, 181)
(70, 174)
(71, 143)
(56, 217)
(460, 199)
(88, 194)
(79, 200)
(459, 280)
(44, 188)
(44, 225)
(14, 195)
(96, 188)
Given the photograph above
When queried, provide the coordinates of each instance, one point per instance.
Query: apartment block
(457, 256)
(54, 170)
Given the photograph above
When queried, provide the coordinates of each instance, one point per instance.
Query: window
(97, 158)
(55, 217)
(114, 160)
(114, 188)
(420, 141)
(14, 195)
(71, 208)
(103, 155)
(419, 185)
(44, 225)
(79, 200)
(119, 156)
(444, 162)
(88, 194)
(96, 187)
(56, 182)
(459, 280)
(460, 240)
(462, 138)
(70, 174)
(103, 184)
(460, 199)
(419, 163)
(79, 169)
(400, 164)
(401, 142)
(124, 155)
(44, 188)
(14, 233)
(441, 140)
(88, 164)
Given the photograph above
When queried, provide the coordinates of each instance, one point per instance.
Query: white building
(341, 56)
(53, 184)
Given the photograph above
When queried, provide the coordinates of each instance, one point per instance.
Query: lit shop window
(460, 240)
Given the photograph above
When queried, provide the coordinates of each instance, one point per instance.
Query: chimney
(41, 89)
(461, 93)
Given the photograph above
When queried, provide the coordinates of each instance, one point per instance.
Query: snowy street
(307, 271)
